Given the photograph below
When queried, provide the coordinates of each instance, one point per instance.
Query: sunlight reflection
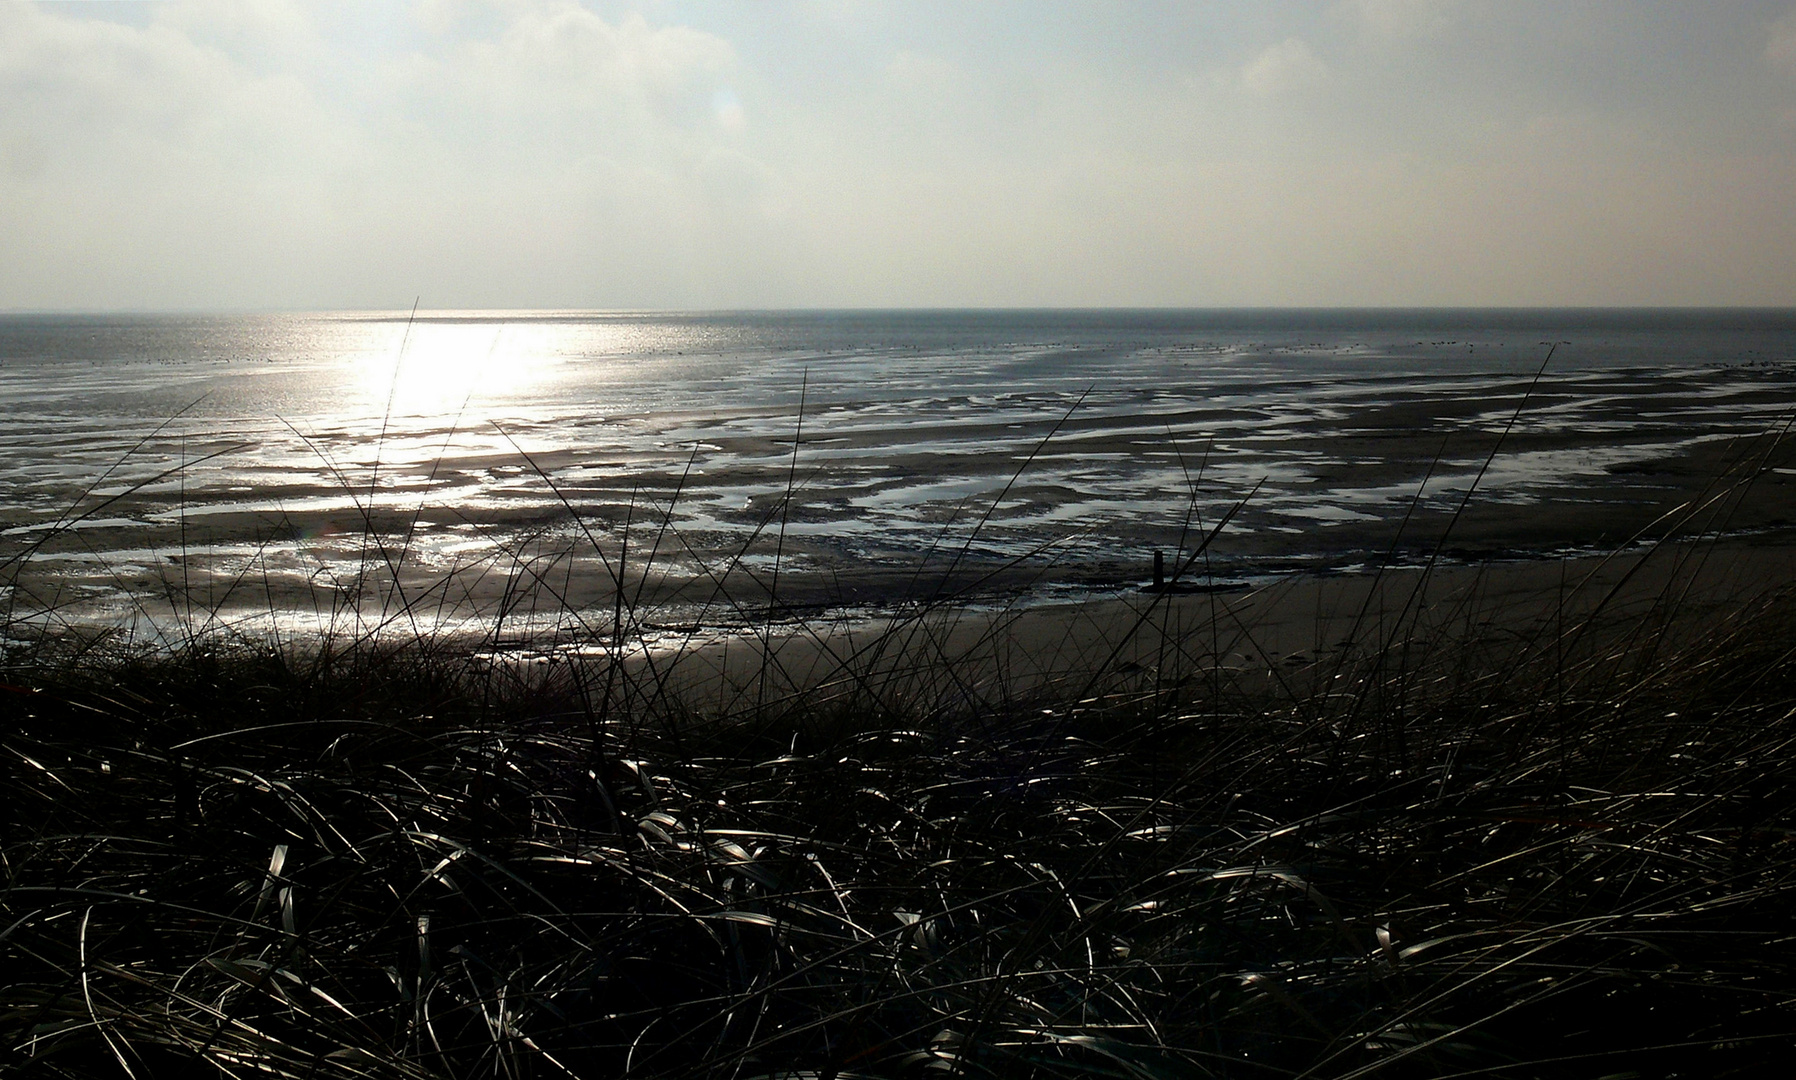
(446, 367)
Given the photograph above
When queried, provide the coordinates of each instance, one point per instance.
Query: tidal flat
(845, 731)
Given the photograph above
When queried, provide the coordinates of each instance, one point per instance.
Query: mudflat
(1287, 637)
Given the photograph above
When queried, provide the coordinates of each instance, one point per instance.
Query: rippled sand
(708, 514)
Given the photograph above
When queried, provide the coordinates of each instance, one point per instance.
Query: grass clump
(1420, 859)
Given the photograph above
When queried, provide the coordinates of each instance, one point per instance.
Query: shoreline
(1285, 636)
(880, 496)
(1282, 635)
(1450, 825)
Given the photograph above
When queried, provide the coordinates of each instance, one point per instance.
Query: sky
(360, 154)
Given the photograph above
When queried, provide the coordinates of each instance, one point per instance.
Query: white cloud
(910, 72)
(555, 53)
(217, 156)
(264, 33)
(144, 168)
(1780, 50)
(1401, 19)
(1282, 68)
(728, 109)
(125, 109)
(443, 16)
(248, 153)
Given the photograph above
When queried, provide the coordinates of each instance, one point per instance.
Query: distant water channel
(466, 466)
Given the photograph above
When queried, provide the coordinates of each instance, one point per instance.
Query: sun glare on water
(444, 368)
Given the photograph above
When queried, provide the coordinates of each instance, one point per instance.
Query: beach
(1287, 640)
(843, 540)
(636, 718)
(366, 471)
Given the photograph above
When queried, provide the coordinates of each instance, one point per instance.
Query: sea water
(250, 470)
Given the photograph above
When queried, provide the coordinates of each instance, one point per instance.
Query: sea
(284, 473)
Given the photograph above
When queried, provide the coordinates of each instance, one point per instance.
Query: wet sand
(711, 518)
(1287, 638)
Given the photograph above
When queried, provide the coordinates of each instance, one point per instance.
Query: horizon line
(50, 312)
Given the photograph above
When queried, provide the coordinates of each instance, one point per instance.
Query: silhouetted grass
(413, 861)
(1450, 846)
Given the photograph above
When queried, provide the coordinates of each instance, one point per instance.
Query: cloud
(153, 171)
(1401, 19)
(555, 54)
(1287, 66)
(524, 150)
(127, 113)
(260, 33)
(911, 72)
(256, 153)
(728, 109)
(1780, 50)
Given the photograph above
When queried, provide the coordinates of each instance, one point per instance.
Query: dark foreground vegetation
(1557, 858)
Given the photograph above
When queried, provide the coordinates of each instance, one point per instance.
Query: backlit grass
(416, 862)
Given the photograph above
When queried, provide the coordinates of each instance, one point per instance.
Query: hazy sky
(233, 154)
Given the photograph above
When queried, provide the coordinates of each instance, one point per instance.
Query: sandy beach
(897, 514)
(869, 541)
(1287, 638)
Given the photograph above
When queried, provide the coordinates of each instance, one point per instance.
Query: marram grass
(359, 861)
(1439, 849)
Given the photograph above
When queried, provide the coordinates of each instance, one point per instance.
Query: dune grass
(421, 861)
(1448, 846)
